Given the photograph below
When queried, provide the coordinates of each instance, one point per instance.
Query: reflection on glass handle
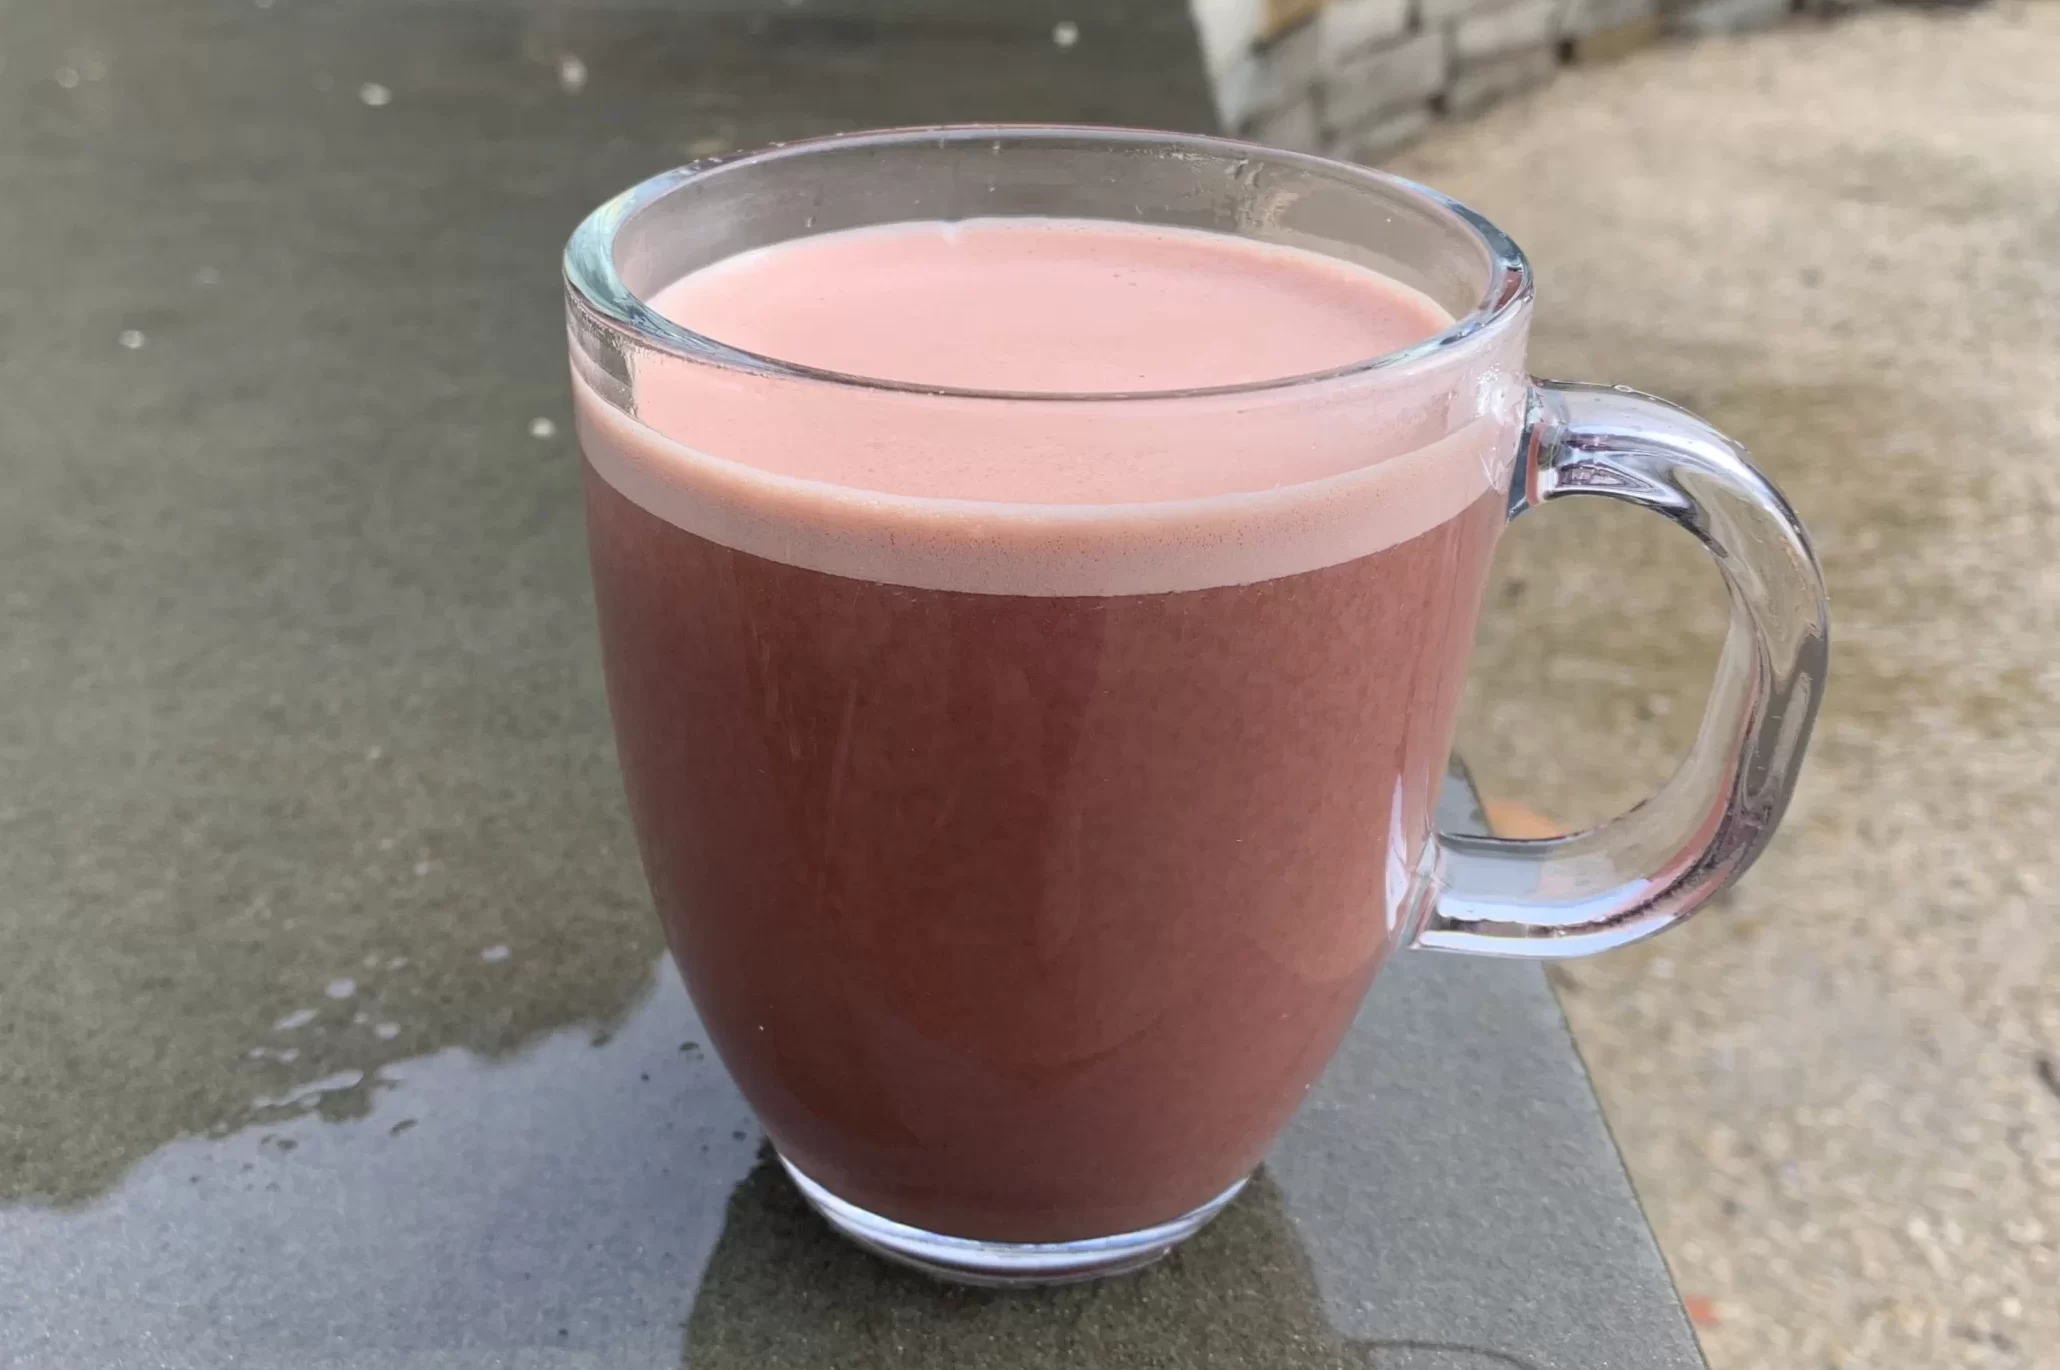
(1653, 866)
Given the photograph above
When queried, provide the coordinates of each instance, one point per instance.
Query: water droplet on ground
(328, 1084)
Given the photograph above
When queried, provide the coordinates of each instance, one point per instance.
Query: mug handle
(1653, 866)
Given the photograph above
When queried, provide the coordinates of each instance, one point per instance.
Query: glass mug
(1028, 862)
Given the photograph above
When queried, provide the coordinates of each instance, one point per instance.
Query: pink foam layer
(1381, 460)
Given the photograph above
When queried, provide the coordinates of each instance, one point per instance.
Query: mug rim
(596, 285)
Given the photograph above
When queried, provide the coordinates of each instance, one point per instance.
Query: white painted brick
(1731, 16)
(1438, 13)
(1346, 28)
(1373, 143)
(1476, 86)
(1273, 77)
(1228, 29)
(1292, 66)
(1584, 17)
(1237, 91)
(1384, 81)
(1525, 24)
(1296, 128)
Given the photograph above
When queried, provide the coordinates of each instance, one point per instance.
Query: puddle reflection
(593, 1201)
(553, 1208)
(781, 1291)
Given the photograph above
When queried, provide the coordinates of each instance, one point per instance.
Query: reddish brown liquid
(1029, 917)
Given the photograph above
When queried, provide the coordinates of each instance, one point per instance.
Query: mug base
(1004, 1265)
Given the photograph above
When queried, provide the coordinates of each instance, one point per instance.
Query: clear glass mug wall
(1028, 861)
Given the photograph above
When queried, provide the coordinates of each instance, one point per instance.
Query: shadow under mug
(1027, 862)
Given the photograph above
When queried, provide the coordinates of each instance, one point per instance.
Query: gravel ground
(1839, 1094)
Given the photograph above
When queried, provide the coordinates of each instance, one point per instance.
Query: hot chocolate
(1030, 786)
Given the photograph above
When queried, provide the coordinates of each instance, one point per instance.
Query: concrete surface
(1447, 1201)
(1839, 1095)
(328, 1035)
(299, 674)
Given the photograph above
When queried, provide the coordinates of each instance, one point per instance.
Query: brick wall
(1360, 78)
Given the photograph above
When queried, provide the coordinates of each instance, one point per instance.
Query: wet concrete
(605, 1199)
(300, 647)
(333, 1027)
